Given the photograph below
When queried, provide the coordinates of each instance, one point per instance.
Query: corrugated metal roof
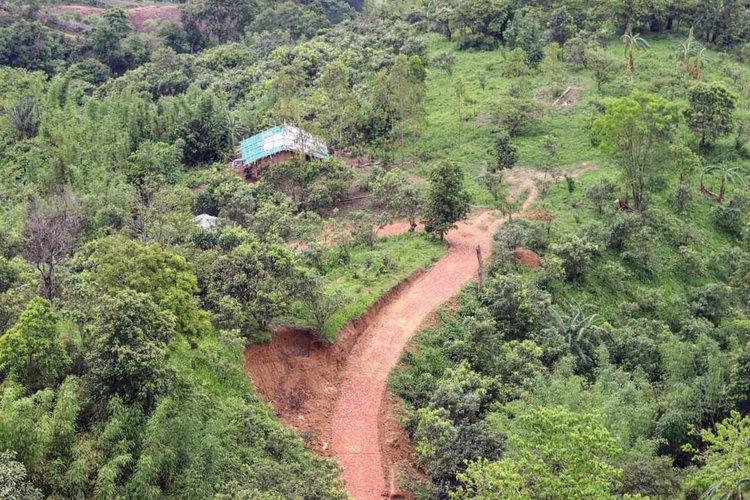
(278, 139)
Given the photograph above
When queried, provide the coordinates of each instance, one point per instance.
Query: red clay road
(355, 441)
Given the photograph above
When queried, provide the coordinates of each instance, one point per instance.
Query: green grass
(371, 272)
(468, 143)
(669, 279)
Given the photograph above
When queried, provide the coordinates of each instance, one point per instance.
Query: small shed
(275, 145)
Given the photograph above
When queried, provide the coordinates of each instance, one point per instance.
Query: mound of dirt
(527, 257)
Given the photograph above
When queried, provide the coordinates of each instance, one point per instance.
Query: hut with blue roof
(276, 145)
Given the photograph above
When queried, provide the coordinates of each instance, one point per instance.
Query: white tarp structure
(206, 222)
(278, 139)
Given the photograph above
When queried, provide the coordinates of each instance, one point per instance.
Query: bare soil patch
(570, 96)
(527, 257)
(542, 215)
(139, 16)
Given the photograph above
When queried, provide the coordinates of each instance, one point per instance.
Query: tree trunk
(480, 270)
(48, 281)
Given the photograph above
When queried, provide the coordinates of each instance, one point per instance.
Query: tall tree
(401, 93)
(481, 23)
(339, 102)
(50, 235)
(31, 352)
(636, 129)
(447, 199)
(254, 284)
(151, 166)
(216, 21)
(115, 263)
(726, 460)
(400, 197)
(710, 113)
(127, 356)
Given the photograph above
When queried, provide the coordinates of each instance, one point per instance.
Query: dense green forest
(617, 367)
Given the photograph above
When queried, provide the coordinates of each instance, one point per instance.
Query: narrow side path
(355, 439)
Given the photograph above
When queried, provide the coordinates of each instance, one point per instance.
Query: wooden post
(480, 271)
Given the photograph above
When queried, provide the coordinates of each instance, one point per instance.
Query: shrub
(576, 254)
(732, 215)
(682, 197)
(621, 227)
(713, 302)
(689, 262)
(522, 232)
(639, 249)
(600, 193)
(614, 275)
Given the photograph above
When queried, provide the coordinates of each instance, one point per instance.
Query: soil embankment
(300, 375)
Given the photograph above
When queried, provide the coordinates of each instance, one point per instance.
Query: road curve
(356, 442)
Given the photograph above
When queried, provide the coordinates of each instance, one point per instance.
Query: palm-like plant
(632, 43)
(581, 330)
(25, 118)
(719, 491)
(728, 175)
(692, 54)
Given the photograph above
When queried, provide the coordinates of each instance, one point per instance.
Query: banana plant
(632, 43)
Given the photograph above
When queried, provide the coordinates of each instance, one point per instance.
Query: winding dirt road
(335, 395)
(356, 443)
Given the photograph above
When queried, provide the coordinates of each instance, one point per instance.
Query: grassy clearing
(468, 142)
(371, 272)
